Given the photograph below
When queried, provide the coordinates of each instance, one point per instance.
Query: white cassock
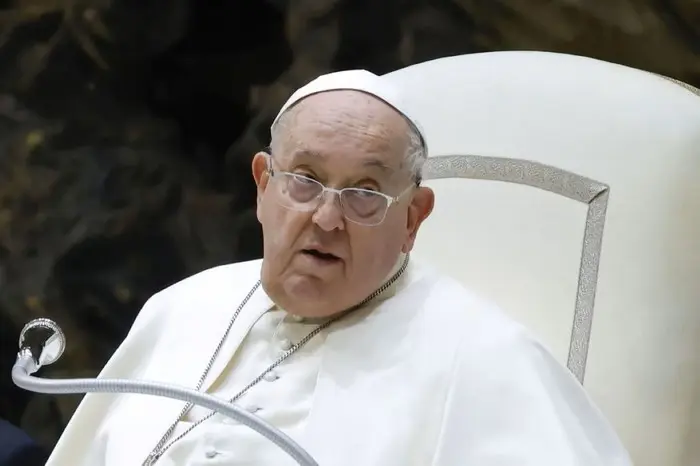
(426, 375)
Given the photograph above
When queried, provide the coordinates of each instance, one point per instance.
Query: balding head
(363, 113)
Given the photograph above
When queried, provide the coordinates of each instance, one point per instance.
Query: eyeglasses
(361, 206)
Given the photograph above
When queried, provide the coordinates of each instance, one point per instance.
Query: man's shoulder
(480, 330)
(205, 291)
(219, 279)
(451, 302)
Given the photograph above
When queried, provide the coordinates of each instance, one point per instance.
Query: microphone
(42, 342)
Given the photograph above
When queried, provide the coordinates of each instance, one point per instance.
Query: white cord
(25, 366)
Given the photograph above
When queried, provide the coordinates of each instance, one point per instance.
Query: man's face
(341, 139)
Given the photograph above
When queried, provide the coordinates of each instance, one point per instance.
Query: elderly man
(337, 338)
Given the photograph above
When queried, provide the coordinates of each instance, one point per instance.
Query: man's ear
(420, 208)
(261, 175)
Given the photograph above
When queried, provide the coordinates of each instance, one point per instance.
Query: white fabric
(283, 398)
(520, 246)
(357, 80)
(432, 376)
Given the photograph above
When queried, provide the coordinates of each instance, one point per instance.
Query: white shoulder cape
(431, 377)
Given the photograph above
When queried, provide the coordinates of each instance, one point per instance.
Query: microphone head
(44, 340)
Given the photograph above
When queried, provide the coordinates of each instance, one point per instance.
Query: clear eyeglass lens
(363, 206)
(358, 205)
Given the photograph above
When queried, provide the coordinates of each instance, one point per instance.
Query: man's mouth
(325, 256)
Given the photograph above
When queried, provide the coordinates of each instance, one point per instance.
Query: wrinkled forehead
(345, 123)
(353, 109)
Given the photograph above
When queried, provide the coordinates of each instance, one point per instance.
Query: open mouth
(324, 256)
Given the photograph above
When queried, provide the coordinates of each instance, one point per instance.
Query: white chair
(566, 185)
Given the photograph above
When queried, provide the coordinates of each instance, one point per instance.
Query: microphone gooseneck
(42, 343)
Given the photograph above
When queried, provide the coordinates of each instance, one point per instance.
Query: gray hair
(416, 154)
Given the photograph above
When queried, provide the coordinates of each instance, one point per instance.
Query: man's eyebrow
(370, 162)
(306, 154)
(376, 163)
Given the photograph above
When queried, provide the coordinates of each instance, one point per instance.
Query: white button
(253, 409)
(296, 318)
(286, 344)
(270, 376)
(211, 454)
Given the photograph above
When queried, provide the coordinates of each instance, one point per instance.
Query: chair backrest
(566, 185)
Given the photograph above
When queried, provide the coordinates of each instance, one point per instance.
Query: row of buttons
(286, 344)
(270, 376)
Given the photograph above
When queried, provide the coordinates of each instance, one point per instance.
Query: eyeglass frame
(391, 200)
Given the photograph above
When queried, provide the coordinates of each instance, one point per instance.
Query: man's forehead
(339, 121)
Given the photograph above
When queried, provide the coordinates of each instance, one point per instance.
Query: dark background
(127, 128)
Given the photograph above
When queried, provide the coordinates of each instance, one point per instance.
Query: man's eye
(303, 177)
(366, 194)
(372, 188)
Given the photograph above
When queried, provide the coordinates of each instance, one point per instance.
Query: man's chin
(310, 296)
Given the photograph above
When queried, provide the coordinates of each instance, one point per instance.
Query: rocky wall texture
(127, 128)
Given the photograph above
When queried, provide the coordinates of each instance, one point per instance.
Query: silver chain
(163, 445)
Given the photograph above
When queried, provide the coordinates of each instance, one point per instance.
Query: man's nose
(329, 213)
